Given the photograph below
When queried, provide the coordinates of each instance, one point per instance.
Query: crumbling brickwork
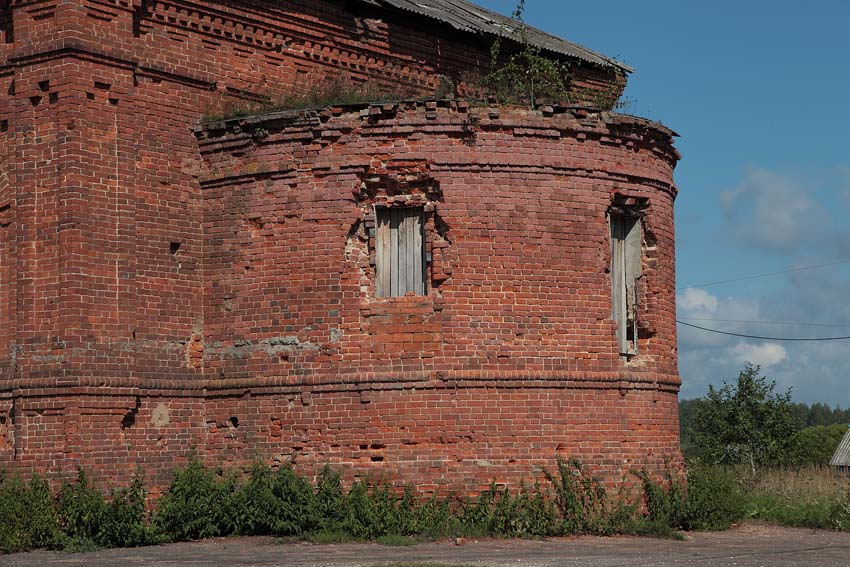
(509, 359)
(155, 301)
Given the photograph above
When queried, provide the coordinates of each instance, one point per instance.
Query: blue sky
(758, 91)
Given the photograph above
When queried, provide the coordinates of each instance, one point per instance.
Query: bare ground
(750, 545)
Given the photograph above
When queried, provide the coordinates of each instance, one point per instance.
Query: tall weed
(282, 504)
(199, 504)
(28, 516)
(583, 504)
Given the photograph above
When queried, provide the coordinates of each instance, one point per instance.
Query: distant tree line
(820, 414)
(748, 423)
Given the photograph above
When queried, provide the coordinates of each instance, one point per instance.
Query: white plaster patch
(160, 416)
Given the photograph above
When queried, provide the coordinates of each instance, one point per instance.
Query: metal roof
(841, 457)
(468, 17)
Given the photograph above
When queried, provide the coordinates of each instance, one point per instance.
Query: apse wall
(508, 360)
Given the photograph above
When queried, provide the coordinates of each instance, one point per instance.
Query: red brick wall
(118, 345)
(511, 357)
(443, 438)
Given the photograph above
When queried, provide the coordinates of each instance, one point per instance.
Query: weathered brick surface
(152, 302)
(511, 357)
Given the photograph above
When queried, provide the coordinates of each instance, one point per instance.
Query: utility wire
(767, 275)
(789, 323)
(762, 338)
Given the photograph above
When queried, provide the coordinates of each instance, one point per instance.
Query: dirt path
(752, 545)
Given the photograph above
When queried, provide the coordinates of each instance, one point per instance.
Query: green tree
(815, 445)
(745, 423)
(687, 413)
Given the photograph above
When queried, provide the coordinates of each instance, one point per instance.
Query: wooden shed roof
(841, 457)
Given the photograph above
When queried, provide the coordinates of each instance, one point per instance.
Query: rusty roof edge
(475, 19)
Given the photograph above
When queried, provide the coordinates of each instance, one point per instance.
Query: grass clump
(418, 565)
(814, 496)
(396, 540)
(323, 93)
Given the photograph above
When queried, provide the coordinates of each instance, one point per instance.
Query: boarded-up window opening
(400, 252)
(626, 269)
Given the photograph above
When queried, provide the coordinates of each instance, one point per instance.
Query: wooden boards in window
(400, 252)
(618, 281)
(626, 268)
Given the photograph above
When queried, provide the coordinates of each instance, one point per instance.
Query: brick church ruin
(435, 291)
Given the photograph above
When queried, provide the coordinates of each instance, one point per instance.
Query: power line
(789, 323)
(762, 338)
(767, 275)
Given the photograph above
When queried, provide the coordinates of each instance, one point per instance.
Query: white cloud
(773, 212)
(802, 219)
(764, 354)
(696, 299)
(698, 307)
(816, 371)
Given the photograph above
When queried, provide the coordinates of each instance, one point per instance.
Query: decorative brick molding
(166, 287)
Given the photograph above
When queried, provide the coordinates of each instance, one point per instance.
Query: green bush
(331, 500)
(815, 445)
(125, 518)
(204, 503)
(199, 504)
(82, 511)
(28, 517)
(434, 518)
(282, 504)
(369, 514)
(476, 517)
(531, 513)
(715, 499)
(842, 515)
(89, 520)
(665, 504)
(406, 514)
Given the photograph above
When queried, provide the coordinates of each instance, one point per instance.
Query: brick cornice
(442, 117)
(351, 382)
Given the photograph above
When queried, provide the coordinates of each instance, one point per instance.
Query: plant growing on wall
(526, 75)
